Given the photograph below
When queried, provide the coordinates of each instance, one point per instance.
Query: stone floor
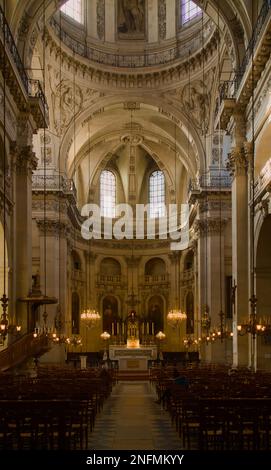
(132, 420)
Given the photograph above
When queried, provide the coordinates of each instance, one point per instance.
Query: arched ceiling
(99, 138)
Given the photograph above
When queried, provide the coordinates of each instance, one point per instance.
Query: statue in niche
(131, 18)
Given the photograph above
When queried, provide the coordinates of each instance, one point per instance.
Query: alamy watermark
(135, 222)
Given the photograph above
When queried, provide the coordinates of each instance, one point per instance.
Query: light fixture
(105, 336)
(90, 317)
(175, 316)
(74, 341)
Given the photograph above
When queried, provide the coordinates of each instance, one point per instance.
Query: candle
(118, 325)
(112, 329)
(148, 328)
(123, 328)
(152, 328)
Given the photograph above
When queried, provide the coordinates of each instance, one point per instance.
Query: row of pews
(55, 410)
(214, 410)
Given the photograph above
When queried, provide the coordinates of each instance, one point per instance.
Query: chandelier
(254, 326)
(175, 317)
(90, 317)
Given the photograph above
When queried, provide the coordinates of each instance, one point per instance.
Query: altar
(133, 358)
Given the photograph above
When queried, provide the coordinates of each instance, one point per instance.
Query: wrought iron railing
(32, 87)
(146, 59)
(53, 183)
(229, 88)
(211, 182)
(261, 21)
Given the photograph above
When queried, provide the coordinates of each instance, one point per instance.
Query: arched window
(189, 10)
(157, 194)
(74, 9)
(108, 194)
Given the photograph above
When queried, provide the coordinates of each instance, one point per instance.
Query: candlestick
(118, 325)
(152, 328)
(112, 329)
(148, 328)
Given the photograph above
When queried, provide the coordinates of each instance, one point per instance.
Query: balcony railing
(31, 87)
(158, 279)
(53, 183)
(146, 59)
(109, 279)
(209, 182)
(261, 20)
(229, 89)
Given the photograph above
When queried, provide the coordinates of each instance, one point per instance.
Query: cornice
(132, 78)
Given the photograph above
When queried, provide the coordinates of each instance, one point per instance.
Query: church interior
(135, 224)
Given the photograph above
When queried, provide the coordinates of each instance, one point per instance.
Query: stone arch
(155, 267)
(110, 266)
(155, 311)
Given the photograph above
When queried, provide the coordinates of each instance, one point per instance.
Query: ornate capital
(203, 228)
(52, 228)
(237, 162)
(24, 160)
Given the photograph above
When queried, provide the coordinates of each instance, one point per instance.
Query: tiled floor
(132, 420)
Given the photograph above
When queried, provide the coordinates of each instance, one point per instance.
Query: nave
(131, 419)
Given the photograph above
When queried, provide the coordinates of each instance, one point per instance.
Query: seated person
(179, 380)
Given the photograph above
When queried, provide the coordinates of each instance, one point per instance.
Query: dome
(132, 33)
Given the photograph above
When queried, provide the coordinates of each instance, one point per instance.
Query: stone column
(24, 162)
(238, 164)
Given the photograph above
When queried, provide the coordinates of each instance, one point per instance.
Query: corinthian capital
(237, 162)
(24, 159)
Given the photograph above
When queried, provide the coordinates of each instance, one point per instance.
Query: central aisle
(132, 420)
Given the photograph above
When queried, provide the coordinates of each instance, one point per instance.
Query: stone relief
(196, 100)
(67, 102)
(46, 155)
(131, 19)
(100, 19)
(162, 15)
